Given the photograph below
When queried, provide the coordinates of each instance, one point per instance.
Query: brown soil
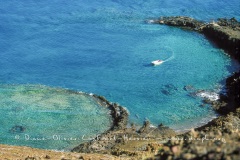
(26, 153)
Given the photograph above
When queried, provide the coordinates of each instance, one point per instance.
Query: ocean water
(52, 118)
(105, 47)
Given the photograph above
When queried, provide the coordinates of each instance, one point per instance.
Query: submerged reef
(219, 139)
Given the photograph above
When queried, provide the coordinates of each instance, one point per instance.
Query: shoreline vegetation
(218, 139)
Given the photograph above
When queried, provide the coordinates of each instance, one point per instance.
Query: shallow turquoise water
(51, 118)
(106, 47)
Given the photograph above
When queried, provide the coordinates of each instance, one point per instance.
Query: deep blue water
(105, 47)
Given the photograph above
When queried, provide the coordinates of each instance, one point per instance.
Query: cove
(106, 48)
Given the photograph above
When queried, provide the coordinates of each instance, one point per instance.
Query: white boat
(157, 62)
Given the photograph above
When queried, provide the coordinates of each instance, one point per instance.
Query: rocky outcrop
(225, 32)
(217, 140)
(120, 117)
(220, 132)
(233, 86)
(225, 37)
(121, 141)
(232, 22)
(181, 21)
(118, 113)
(106, 140)
(145, 128)
(231, 101)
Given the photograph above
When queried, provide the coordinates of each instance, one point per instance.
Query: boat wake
(158, 62)
(171, 57)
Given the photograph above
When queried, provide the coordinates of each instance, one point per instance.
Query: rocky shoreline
(219, 139)
(225, 33)
(119, 136)
(118, 113)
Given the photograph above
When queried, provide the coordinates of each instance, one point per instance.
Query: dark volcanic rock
(145, 128)
(160, 131)
(182, 21)
(110, 141)
(219, 139)
(17, 129)
(106, 140)
(169, 89)
(225, 37)
(225, 32)
(228, 22)
(119, 114)
(233, 86)
(231, 101)
(120, 117)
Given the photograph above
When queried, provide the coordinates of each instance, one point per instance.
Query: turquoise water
(106, 47)
(51, 118)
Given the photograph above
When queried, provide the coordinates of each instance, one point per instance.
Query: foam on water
(212, 96)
